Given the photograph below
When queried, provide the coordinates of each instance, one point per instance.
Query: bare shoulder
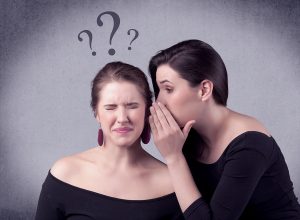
(67, 167)
(159, 176)
(161, 169)
(154, 164)
(248, 123)
(162, 176)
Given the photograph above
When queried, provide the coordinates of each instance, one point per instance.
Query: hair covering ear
(146, 134)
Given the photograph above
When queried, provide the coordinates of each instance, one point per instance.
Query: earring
(100, 137)
(146, 136)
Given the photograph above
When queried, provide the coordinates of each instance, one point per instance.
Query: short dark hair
(195, 61)
(118, 71)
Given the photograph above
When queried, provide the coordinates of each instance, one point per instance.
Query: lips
(123, 130)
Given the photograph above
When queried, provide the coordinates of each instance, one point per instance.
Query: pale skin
(180, 107)
(120, 168)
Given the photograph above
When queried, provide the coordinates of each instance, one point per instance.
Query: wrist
(175, 159)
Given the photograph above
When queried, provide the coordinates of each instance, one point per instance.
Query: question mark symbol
(116, 19)
(90, 39)
(135, 36)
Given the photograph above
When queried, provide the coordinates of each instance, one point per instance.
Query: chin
(126, 143)
(181, 123)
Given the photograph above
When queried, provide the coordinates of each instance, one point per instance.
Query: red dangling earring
(146, 136)
(100, 137)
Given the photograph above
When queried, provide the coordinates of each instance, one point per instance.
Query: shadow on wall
(8, 214)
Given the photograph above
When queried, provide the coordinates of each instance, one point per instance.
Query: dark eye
(168, 90)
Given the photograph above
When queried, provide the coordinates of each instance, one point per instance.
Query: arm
(183, 182)
(169, 140)
(242, 171)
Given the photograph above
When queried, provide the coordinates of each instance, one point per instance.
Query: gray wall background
(45, 74)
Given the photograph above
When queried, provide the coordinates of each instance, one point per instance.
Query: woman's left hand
(167, 135)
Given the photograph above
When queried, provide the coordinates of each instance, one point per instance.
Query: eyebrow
(110, 105)
(164, 81)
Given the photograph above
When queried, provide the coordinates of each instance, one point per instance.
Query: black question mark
(135, 36)
(90, 39)
(116, 19)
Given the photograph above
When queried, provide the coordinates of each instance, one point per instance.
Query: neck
(212, 124)
(121, 157)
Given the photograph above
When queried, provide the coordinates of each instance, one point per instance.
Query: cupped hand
(168, 136)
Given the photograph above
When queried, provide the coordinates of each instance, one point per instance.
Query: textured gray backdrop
(45, 74)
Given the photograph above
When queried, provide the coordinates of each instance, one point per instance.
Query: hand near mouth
(168, 136)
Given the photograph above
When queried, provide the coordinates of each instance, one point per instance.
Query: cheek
(175, 101)
(175, 104)
(180, 108)
(106, 118)
(141, 117)
(137, 116)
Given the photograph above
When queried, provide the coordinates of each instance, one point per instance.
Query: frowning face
(121, 113)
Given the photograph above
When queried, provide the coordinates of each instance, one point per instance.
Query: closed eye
(132, 105)
(110, 107)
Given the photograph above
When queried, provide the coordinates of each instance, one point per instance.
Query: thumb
(187, 128)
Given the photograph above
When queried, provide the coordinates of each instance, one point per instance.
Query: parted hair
(119, 71)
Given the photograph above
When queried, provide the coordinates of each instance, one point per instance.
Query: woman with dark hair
(117, 179)
(229, 166)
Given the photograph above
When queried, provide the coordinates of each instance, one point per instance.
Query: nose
(160, 98)
(122, 115)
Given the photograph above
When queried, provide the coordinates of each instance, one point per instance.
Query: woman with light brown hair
(117, 179)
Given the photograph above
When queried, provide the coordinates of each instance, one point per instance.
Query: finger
(152, 125)
(155, 119)
(161, 116)
(169, 117)
(188, 127)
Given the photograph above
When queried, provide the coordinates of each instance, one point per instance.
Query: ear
(206, 89)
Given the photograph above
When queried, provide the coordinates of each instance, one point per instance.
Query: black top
(59, 200)
(249, 181)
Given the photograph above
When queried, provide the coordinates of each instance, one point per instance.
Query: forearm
(183, 182)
